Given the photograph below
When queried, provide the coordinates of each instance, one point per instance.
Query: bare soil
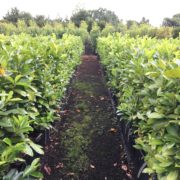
(85, 144)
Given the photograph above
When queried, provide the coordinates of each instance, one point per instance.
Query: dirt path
(86, 144)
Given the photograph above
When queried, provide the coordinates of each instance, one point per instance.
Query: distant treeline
(103, 20)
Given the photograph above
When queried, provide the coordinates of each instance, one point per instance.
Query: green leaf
(31, 96)
(173, 175)
(177, 155)
(37, 174)
(172, 138)
(28, 150)
(36, 147)
(155, 141)
(152, 74)
(30, 169)
(13, 174)
(173, 130)
(15, 100)
(166, 164)
(17, 78)
(14, 111)
(10, 95)
(10, 79)
(2, 133)
(2, 162)
(24, 84)
(21, 92)
(162, 64)
(173, 73)
(158, 124)
(155, 115)
(5, 123)
(7, 141)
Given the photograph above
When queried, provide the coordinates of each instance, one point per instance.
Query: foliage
(34, 73)
(94, 34)
(176, 32)
(145, 74)
(164, 32)
(33, 29)
(30, 173)
(14, 15)
(82, 22)
(172, 22)
(144, 21)
(104, 15)
(108, 29)
(40, 20)
(80, 15)
(145, 29)
(131, 23)
(100, 16)
(7, 28)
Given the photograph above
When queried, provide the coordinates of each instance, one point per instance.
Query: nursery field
(105, 108)
(34, 73)
(144, 74)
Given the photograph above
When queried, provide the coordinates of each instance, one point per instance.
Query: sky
(154, 10)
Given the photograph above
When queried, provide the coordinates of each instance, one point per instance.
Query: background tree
(144, 21)
(58, 20)
(27, 17)
(172, 22)
(101, 16)
(13, 15)
(104, 15)
(40, 20)
(80, 15)
(131, 23)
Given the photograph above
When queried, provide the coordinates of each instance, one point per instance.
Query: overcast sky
(154, 10)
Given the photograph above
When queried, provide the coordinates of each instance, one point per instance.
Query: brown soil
(85, 144)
